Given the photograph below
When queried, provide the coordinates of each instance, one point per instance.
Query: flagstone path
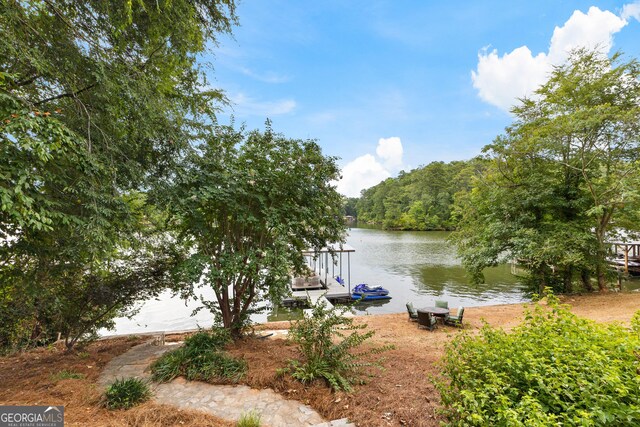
(224, 401)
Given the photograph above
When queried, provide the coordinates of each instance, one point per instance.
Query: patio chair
(442, 304)
(413, 314)
(426, 320)
(455, 320)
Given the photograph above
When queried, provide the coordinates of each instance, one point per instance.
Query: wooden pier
(330, 293)
(626, 256)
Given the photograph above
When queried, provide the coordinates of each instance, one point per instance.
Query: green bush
(201, 358)
(126, 393)
(553, 369)
(326, 340)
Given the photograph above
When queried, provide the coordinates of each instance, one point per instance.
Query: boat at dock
(329, 280)
(364, 292)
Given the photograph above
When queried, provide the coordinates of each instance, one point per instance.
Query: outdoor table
(436, 311)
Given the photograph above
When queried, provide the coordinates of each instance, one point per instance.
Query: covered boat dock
(332, 265)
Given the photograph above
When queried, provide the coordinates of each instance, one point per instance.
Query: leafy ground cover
(401, 395)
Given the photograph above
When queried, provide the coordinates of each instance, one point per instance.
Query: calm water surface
(420, 266)
(415, 266)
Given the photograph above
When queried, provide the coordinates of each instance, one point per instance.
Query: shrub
(553, 369)
(326, 340)
(249, 419)
(126, 393)
(201, 358)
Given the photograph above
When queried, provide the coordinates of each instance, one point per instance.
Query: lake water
(420, 266)
(415, 266)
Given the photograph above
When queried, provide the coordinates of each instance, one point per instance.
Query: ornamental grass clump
(126, 393)
(327, 342)
(201, 358)
(553, 369)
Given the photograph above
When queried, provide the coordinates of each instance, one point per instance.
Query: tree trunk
(586, 280)
(568, 280)
(602, 280)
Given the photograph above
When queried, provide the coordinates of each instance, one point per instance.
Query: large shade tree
(249, 203)
(97, 100)
(563, 175)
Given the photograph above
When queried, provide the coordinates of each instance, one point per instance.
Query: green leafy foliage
(97, 100)
(561, 179)
(125, 393)
(249, 203)
(421, 199)
(201, 358)
(80, 296)
(553, 369)
(330, 346)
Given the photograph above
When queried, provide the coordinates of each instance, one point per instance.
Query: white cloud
(363, 172)
(367, 171)
(390, 151)
(501, 80)
(631, 10)
(246, 106)
(596, 28)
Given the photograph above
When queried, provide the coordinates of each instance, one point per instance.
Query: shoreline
(583, 305)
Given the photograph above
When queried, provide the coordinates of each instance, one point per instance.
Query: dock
(331, 292)
(626, 256)
(325, 265)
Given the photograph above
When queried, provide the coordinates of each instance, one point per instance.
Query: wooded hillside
(421, 199)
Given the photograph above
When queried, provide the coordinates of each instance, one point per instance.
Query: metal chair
(413, 314)
(455, 320)
(442, 304)
(426, 320)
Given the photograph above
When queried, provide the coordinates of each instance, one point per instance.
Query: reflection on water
(414, 266)
(421, 267)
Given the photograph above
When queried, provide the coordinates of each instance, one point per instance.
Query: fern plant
(328, 342)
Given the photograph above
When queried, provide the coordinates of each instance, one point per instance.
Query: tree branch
(65, 95)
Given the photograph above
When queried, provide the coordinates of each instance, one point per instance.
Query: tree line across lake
(422, 199)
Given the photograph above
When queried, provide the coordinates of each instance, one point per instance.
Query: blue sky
(393, 85)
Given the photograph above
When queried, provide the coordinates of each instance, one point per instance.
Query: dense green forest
(422, 199)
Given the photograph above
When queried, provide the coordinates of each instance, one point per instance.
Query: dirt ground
(401, 395)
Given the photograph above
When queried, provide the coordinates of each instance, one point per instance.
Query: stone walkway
(224, 401)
